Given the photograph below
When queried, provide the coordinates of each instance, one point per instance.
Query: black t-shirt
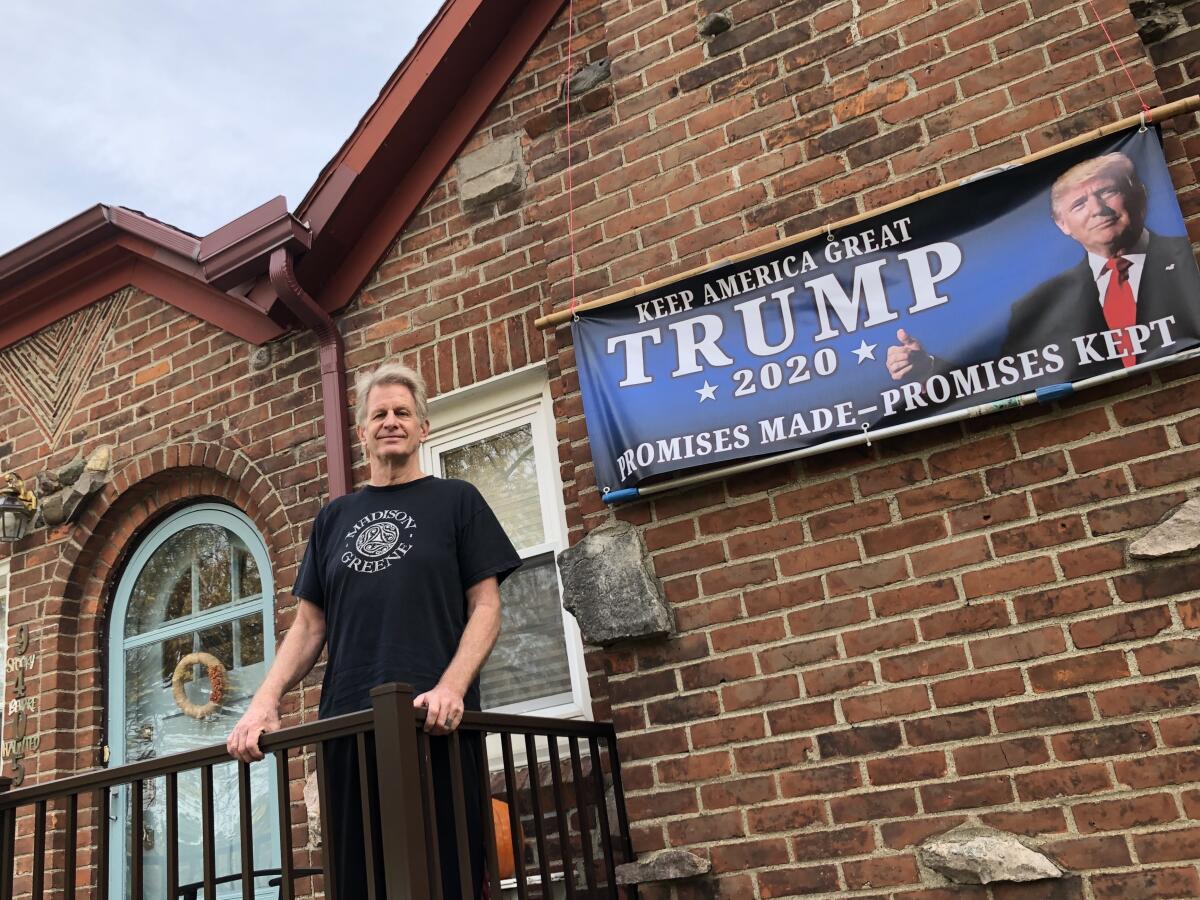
(390, 566)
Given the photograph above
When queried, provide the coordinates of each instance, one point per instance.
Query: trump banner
(1028, 277)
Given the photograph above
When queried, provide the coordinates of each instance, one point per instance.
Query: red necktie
(1119, 309)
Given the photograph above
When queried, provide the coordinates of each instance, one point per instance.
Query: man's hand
(443, 709)
(261, 717)
(908, 358)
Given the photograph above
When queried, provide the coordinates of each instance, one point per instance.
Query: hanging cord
(1111, 43)
(570, 160)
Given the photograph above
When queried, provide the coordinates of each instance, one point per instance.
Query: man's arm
(294, 659)
(444, 704)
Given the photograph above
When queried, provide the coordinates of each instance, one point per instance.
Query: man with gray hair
(401, 580)
(1128, 276)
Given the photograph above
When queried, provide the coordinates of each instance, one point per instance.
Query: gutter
(333, 367)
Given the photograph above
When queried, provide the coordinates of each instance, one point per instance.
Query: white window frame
(488, 408)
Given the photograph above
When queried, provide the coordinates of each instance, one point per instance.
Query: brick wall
(872, 646)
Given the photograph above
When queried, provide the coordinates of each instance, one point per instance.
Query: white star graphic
(865, 351)
(708, 392)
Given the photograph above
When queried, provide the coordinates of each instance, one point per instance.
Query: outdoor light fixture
(17, 506)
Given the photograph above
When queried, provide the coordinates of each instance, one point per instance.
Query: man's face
(392, 432)
(1103, 213)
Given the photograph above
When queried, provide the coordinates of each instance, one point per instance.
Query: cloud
(193, 113)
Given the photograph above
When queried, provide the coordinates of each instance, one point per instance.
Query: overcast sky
(193, 112)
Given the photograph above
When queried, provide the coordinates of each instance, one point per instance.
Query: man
(1129, 275)
(402, 580)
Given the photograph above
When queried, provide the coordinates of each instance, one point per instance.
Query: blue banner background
(1009, 245)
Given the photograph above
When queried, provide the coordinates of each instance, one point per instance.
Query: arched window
(200, 583)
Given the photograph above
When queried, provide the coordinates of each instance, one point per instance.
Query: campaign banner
(1040, 274)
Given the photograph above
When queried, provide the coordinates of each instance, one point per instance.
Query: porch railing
(569, 806)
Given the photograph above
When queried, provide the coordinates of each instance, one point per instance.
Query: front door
(192, 635)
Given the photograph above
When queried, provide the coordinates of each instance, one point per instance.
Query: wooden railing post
(401, 813)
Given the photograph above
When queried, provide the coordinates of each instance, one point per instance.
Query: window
(499, 436)
(199, 583)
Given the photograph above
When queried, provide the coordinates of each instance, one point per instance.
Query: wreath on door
(216, 681)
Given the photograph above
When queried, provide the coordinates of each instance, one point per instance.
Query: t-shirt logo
(377, 540)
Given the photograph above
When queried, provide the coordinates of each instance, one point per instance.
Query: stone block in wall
(610, 587)
(496, 170)
(1177, 534)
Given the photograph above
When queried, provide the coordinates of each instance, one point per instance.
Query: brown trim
(361, 257)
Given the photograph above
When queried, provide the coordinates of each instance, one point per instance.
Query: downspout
(333, 367)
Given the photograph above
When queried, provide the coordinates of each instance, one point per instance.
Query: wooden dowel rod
(1158, 114)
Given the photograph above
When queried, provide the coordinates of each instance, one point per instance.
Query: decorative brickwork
(47, 371)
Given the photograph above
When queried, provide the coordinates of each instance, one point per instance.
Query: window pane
(530, 659)
(504, 469)
(250, 582)
(252, 639)
(164, 588)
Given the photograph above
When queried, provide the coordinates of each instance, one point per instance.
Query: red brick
(950, 555)
(1144, 697)
(1020, 646)
(746, 855)
(1131, 445)
(966, 794)
(1147, 884)
(772, 756)
(940, 495)
(683, 708)
(785, 816)
(890, 477)
(1181, 731)
(1015, 753)
(887, 704)
(1124, 813)
(886, 636)
(900, 537)
(906, 768)
(765, 540)
(819, 556)
(1133, 513)
(801, 717)
(964, 620)
(1087, 490)
(848, 519)
(746, 634)
(688, 559)
(806, 782)
(1036, 821)
(706, 827)
(1062, 430)
(1051, 712)
(1125, 626)
(1026, 472)
(813, 497)
(908, 833)
(695, 767)
(977, 688)
(881, 872)
(1063, 781)
(787, 882)
(989, 513)
(923, 663)
(1074, 671)
(741, 516)
(727, 730)
(1164, 580)
(1111, 740)
(1153, 771)
(732, 577)
(762, 692)
(1092, 560)
(1062, 601)
(822, 845)
(860, 741)
(873, 806)
(1041, 534)
(825, 616)
(906, 599)
(841, 677)
(973, 455)
(1090, 852)
(782, 595)
(797, 653)
(950, 727)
